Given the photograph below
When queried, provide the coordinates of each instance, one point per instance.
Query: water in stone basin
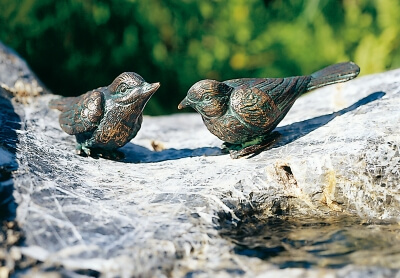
(315, 242)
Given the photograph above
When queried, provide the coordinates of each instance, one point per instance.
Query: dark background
(75, 46)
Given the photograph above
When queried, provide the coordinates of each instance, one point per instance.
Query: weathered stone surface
(17, 78)
(160, 213)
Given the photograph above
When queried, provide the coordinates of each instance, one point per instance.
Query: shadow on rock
(9, 122)
(292, 132)
(138, 154)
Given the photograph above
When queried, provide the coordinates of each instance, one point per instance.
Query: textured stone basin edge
(339, 157)
(158, 213)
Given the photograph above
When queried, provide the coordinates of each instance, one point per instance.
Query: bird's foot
(236, 152)
(99, 153)
(228, 147)
(82, 150)
(108, 154)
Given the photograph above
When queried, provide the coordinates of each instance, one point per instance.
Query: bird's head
(130, 87)
(208, 97)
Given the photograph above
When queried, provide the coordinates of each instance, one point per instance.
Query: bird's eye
(207, 98)
(122, 88)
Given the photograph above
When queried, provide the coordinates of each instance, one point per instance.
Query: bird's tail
(333, 74)
(60, 103)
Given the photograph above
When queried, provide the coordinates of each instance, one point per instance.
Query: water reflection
(314, 242)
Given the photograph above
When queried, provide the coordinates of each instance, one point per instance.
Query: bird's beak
(150, 89)
(184, 103)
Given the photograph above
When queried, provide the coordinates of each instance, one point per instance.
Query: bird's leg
(87, 148)
(265, 143)
(230, 147)
(82, 150)
(227, 147)
(82, 144)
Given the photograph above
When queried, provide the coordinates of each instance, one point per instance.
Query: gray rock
(17, 78)
(171, 212)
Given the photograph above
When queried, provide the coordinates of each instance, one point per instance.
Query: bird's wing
(263, 84)
(83, 113)
(260, 102)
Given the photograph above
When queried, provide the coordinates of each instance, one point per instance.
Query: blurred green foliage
(75, 46)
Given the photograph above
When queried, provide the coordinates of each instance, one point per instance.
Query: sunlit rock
(173, 211)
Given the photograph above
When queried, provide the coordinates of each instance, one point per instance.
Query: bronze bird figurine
(106, 118)
(243, 112)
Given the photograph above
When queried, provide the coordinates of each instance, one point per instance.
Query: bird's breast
(118, 126)
(229, 129)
